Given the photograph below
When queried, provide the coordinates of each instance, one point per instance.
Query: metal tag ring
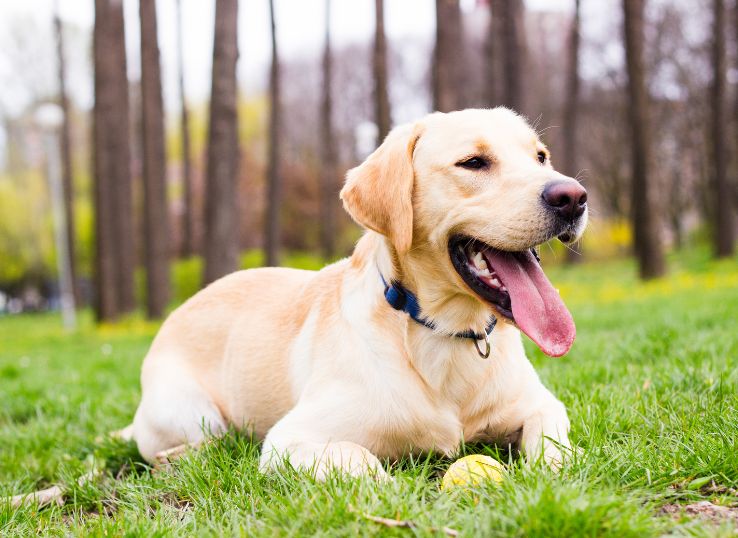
(484, 354)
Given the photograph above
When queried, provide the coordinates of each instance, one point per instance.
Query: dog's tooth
(503, 288)
(496, 283)
(479, 261)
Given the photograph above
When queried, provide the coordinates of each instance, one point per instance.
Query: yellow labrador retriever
(383, 354)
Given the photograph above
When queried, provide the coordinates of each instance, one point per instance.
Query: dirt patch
(704, 510)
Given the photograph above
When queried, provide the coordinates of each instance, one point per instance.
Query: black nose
(568, 199)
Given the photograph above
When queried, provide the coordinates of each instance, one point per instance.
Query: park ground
(650, 385)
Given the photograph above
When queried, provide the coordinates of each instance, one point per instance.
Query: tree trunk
(221, 209)
(448, 57)
(274, 187)
(514, 53)
(571, 113)
(66, 156)
(723, 232)
(493, 48)
(381, 93)
(188, 216)
(156, 214)
(328, 185)
(114, 228)
(734, 182)
(644, 213)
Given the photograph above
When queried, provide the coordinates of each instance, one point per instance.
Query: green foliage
(85, 229)
(187, 274)
(27, 249)
(26, 240)
(186, 278)
(650, 384)
(252, 121)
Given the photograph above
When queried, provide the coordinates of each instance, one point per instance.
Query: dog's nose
(568, 199)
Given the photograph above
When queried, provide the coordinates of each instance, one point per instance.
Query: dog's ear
(378, 192)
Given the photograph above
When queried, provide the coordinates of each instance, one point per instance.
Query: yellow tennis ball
(472, 471)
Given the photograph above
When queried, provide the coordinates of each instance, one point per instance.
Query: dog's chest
(416, 414)
(405, 421)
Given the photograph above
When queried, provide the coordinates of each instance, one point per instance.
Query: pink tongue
(536, 306)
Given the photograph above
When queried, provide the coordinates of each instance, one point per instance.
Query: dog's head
(462, 199)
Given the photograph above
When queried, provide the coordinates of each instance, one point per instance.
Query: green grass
(650, 386)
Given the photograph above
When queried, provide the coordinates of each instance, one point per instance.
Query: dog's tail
(55, 494)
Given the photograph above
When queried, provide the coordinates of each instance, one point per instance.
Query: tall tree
(512, 23)
(448, 57)
(644, 212)
(188, 215)
(221, 209)
(492, 50)
(66, 154)
(382, 112)
(723, 232)
(274, 180)
(735, 109)
(328, 194)
(571, 108)
(114, 228)
(156, 215)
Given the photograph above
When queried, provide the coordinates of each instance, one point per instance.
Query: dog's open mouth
(516, 286)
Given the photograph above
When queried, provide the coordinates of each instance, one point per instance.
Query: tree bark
(381, 93)
(328, 186)
(644, 212)
(66, 156)
(571, 112)
(114, 228)
(221, 209)
(734, 186)
(448, 57)
(188, 216)
(722, 226)
(274, 180)
(513, 54)
(156, 214)
(493, 48)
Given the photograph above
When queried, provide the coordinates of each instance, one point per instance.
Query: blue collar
(400, 298)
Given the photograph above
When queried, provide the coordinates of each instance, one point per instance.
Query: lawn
(650, 385)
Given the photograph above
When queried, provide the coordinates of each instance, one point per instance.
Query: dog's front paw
(321, 460)
(546, 436)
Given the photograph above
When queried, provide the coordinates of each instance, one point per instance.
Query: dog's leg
(321, 459)
(296, 440)
(174, 411)
(546, 433)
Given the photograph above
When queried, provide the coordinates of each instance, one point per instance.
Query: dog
(410, 345)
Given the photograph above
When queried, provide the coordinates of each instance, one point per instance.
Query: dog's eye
(475, 163)
(542, 157)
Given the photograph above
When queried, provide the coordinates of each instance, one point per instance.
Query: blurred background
(149, 147)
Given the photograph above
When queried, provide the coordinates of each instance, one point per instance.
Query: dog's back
(183, 377)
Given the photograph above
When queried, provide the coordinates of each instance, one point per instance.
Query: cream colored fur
(320, 367)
